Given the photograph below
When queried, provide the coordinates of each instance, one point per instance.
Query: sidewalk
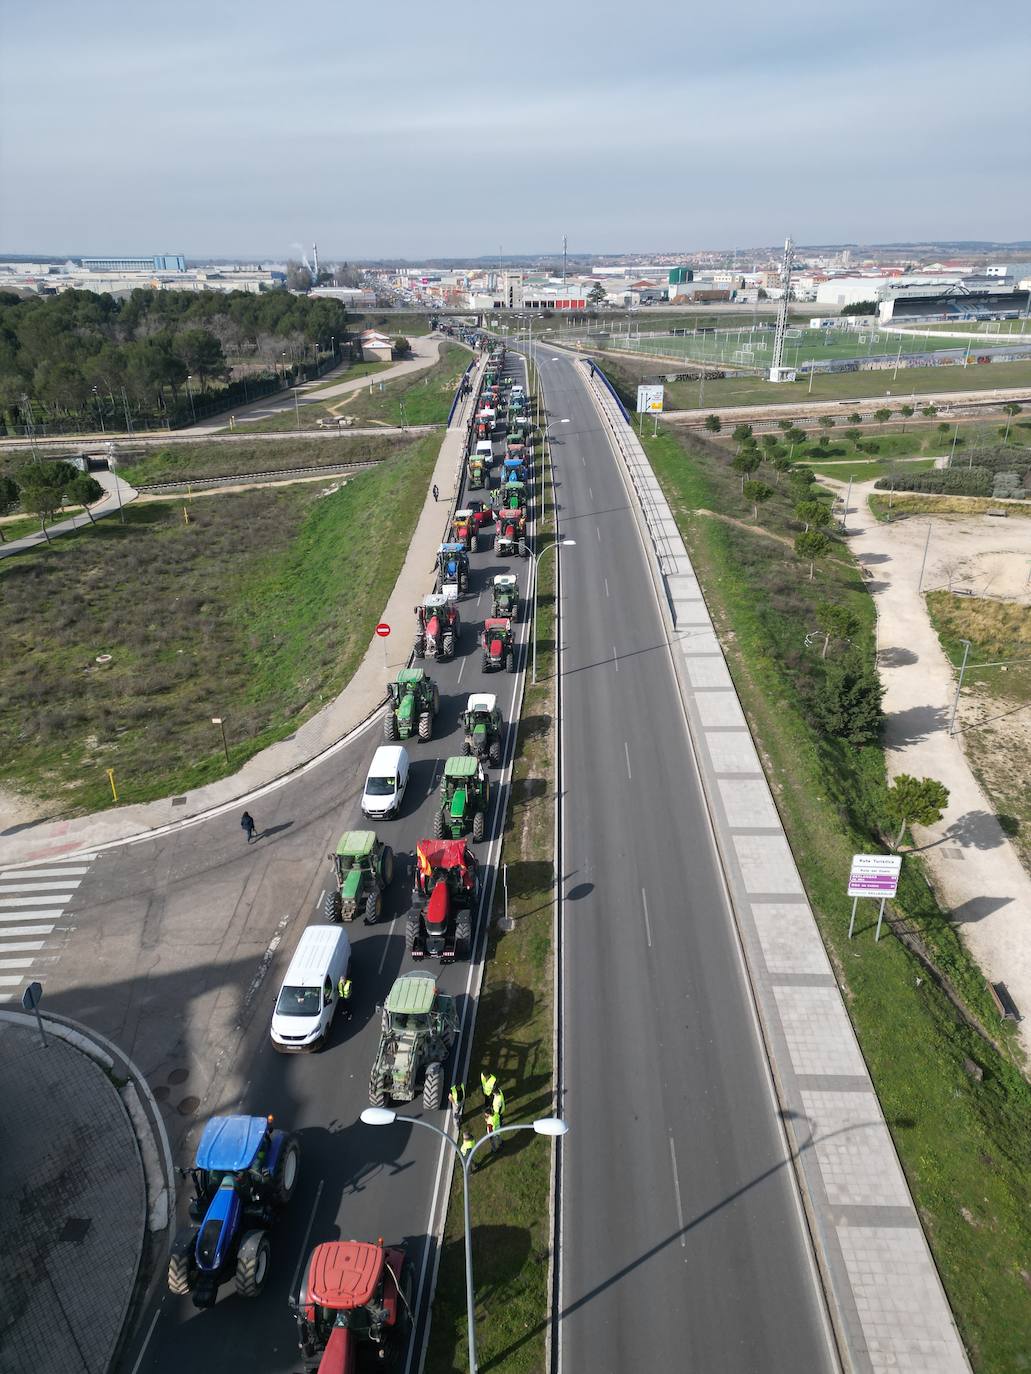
(359, 700)
(119, 494)
(886, 1300)
(977, 874)
(425, 347)
(73, 1200)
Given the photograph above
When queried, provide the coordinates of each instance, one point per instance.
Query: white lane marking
(386, 951)
(462, 669)
(583, 460)
(15, 963)
(615, 660)
(30, 868)
(590, 492)
(7, 902)
(322, 898)
(606, 586)
(25, 930)
(10, 889)
(264, 964)
(18, 946)
(676, 1190)
(626, 751)
(307, 1236)
(143, 1347)
(12, 873)
(647, 922)
(597, 531)
(7, 981)
(31, 915)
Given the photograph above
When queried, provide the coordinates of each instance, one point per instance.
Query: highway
(682, 1242)
(176, 950)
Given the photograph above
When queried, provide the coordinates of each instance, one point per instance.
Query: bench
(1004, 1003)
(997, 511)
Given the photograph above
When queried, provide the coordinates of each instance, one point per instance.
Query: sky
(244, 128)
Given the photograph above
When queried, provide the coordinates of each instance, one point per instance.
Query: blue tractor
(453, 567)
(244, 1172)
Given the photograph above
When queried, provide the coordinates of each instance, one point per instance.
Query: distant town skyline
(227, 131)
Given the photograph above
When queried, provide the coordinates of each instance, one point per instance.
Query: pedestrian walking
(436, 493)
(488, 1082)
(344, 992)
(493, 1120)
(247, 825)
(457, 1099)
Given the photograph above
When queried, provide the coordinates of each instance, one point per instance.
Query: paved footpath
(977, 873)
(73, 1205)
(118, 494)
(885, 1296)
(360, 699)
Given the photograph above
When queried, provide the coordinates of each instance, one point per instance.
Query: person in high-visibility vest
(457, 1099)
(488, 1082)
(493, 1120)
(497, 1101)
(344, 990)
(466, 1145)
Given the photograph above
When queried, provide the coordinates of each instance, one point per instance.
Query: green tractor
(363, 868)
(414, 701)
(505, 596)
(481, 724)
(420, 1025)
(464, 794)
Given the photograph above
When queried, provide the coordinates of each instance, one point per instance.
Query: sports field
(750, 347)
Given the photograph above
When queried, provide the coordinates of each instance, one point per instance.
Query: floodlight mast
(782, 313)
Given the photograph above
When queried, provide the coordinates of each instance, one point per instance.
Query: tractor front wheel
(436, 698)
(433, 1087)
(182, 1263)
(419, 648)
(287, 1168)
(448, 645)
(373, 908)
(438, 825)
(479, 826)
(390, 726)
(333, 907)
(494, 753)
(425, 725)
(387, 866)
(463, 585)
(252, 1263)
(412, 928)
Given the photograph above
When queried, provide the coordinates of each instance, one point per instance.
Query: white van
(386, 782)
(484, 449)
(309, 997)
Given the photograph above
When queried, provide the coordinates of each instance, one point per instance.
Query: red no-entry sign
(383, 629)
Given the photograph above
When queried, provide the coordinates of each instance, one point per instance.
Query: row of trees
(92, 356)
(44, 488)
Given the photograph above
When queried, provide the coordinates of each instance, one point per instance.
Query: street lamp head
(378, 1116)
(568, 543)
(548, 1125)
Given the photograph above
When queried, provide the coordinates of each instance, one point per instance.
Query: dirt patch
(996, 736)
(18, 811)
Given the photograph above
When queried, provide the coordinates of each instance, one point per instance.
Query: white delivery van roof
(312, 956)
(386, 762)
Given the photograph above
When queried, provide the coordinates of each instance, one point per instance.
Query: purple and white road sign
(874, 875)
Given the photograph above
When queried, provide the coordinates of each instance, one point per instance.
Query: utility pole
(563, 266)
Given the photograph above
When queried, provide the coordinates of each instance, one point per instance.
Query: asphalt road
(175, 949)
(682, 1240)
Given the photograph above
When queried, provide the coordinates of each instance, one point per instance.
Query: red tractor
(510, 534)
(446, 873)
(353, 1294)
(498, 645)
(438, 629)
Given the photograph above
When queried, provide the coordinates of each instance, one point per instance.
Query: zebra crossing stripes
(33, 899)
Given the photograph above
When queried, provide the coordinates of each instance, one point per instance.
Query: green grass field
(965, 1145)
(225, 458)
(235, 614)
(21, 525)
(348, 374)
(426, 395)
(865, 471)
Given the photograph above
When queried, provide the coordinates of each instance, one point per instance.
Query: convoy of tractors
(354, 1298)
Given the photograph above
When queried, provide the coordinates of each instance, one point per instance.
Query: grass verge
(22, 525)
(234, 614)
(965, 1144)
(509, 1200)
(187, 463)
(921, 503)
(426, 395)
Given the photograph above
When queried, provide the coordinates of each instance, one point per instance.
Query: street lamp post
(566, 543)
(549, 1126)
(959, 684)
(100, 410)
(217, 720)
(189, 392)
(111, 464)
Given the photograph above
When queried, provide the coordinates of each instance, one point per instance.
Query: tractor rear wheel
(463, 936)
(252, 1263)
(425, 725)
(486, 662)
(412, 929)
(373, 907)
(447, 646)
(287, 1168)
(182, 1263)
(333, 906)
(387, 866)
(438, 825)
(463, 584)
(494, 753)
(419, 648)
(510, 661)
(433, 1087)
(436, 698)
(377, 1096)
(479, 826)
(390, 726)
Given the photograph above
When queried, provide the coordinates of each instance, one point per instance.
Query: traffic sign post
(873, 875)
(383, 630)
(30, 1000)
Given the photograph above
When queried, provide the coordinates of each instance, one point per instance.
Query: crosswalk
(34, 899)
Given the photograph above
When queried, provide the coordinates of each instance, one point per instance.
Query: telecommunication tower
(777, 371)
